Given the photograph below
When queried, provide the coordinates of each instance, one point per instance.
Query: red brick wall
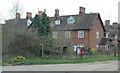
(77, 40)
(96, 27)
(89, 39)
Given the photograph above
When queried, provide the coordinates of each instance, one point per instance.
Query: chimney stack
(17, 15)
(56, 12)
(115, 24)
(81, 10)
(28, 15)
(40, 13)
(107, 23)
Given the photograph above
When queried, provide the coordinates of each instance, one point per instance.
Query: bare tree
(17, 7)
(2, 19)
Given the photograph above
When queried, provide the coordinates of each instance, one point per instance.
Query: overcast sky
(108, 9)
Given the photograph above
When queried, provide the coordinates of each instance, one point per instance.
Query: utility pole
(118, 44)
(118, 39)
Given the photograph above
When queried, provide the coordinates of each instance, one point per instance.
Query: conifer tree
(42, 26)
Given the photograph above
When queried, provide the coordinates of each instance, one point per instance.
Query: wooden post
(81, 56)
(76, 52)
(42, 51)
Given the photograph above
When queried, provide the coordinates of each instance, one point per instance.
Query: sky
(108, 9)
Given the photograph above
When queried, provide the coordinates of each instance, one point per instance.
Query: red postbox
(81, 51)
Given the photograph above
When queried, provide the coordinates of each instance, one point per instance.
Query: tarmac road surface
(94, 66)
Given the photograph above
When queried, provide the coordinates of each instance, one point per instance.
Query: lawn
(31, 61)
(37, 60)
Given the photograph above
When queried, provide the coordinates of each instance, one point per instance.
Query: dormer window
(29, 22)
(57, 22)
(71, 20)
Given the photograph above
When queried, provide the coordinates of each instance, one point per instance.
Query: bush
(17, 60)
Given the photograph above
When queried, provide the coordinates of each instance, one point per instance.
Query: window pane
(68, 34)
(80, 34)
(57, 22)
(54, 35)
(97, 35)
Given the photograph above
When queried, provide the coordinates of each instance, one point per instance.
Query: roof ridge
(75, 14)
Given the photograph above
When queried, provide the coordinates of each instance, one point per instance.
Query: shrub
(17, 60)
(93, 50)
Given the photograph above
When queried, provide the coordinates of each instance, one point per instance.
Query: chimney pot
(81, 10)
(17, 15)
(56, 12)
(115, 24)
(40, 13)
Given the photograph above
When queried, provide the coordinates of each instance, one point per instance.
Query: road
(95, 66)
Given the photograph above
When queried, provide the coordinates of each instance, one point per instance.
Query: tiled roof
(84, 21)
(114, 31)
(13, 24)
(16, 21)
(103, 41)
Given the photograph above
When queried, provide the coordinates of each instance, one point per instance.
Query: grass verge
(31, 61)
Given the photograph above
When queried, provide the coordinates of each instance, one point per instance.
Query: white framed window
(67, 34)
(107, 35)
(81, 34)
(116, 36)
(29, 22)
(57, 22)
(54, 34)
(80, 45)
(97, 35)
